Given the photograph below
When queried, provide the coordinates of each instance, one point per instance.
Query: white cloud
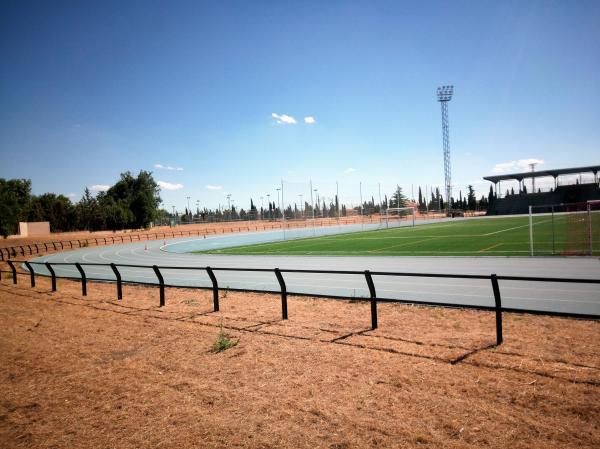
(350, 170)
(99, 188)
(520, 165)
(167, 167)
(71, 195)
(284, 119)
(211, 187)
(168, 186)
(309, 120)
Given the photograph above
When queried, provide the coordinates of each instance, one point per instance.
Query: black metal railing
(497, 308)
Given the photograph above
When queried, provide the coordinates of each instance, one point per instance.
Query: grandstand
(569, 187)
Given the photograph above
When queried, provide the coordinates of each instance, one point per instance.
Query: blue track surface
(553, 297)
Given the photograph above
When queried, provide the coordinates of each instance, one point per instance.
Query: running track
(547, 297)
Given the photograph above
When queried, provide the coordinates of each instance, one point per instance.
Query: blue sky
(89, 90)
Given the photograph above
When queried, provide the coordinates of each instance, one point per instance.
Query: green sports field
(561, 235)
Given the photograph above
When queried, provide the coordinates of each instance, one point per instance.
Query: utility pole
(262, 209)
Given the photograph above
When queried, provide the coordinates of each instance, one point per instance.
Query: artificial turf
(487, 236)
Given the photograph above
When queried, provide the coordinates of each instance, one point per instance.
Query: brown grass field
(95, 372)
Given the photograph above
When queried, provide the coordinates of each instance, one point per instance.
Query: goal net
(393, 215)
(565, 229)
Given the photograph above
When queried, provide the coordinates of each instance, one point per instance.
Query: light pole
(301, 206)
(317, 195)
(337, 199)
(269, 200)
(444, 95)
(278, 202)
(312, 202)
(361, 203)
(261, 207)
(188, 198)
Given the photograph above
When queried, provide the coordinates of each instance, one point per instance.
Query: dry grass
(97, 372)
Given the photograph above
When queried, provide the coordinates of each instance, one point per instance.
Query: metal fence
(283, 292)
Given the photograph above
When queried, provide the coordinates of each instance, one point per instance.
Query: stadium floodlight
(444, 95)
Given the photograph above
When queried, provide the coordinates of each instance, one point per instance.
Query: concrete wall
(31, 229)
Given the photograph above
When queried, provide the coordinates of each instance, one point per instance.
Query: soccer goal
(392, 216)
(565, 229)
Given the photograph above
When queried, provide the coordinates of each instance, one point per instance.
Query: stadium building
(554, 187)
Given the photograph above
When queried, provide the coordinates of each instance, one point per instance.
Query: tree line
(131, 203)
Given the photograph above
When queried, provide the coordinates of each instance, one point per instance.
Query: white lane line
(516, 227)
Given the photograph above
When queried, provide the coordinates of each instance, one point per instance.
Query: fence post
(53, 274)
(14, 270)
(215, 284)
(119, 284)
(161, 283)
(373, 295)
(498, 302)
(83, 279)
(284, 312)
(31, 273)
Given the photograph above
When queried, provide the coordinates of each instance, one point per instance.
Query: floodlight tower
(532, 167)
(444, 95)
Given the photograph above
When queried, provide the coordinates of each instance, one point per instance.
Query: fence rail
(497, 308)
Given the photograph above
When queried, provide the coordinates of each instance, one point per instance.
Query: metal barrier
(368, 275)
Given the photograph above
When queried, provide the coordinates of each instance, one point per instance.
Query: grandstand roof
(538, 174)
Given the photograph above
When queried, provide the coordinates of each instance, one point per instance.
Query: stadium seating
(519, 203)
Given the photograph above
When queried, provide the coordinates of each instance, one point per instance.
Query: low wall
(34, 228)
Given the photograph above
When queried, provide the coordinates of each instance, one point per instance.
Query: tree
(15, 197)
(471, 199)
(398, 198)
(141, 194)
(491, 197)
(422, 206)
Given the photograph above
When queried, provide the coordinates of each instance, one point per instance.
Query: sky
(231, 98)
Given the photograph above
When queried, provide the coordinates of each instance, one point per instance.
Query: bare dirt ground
(94, 372)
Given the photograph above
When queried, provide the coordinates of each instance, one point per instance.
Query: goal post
(394, 215)
(571, 229)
